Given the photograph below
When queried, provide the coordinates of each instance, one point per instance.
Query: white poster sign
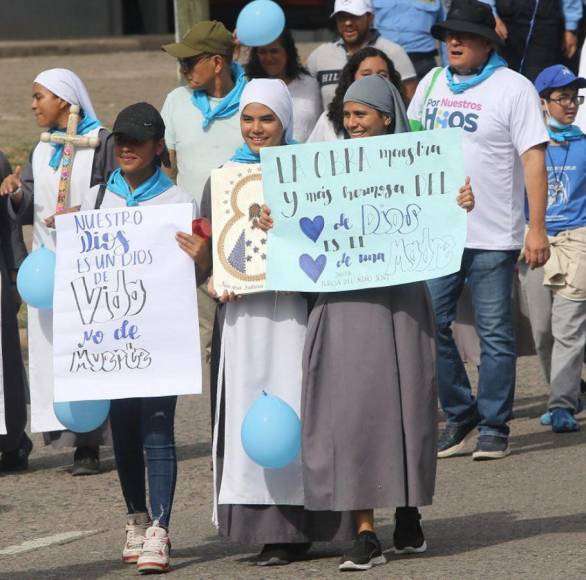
(124, 310)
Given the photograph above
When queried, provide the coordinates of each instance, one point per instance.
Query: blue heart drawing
(313, 268)
(312, 228)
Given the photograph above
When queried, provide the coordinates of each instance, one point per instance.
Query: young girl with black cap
(144, 427)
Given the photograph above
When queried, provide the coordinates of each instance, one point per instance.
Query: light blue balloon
(271, 432)
(260, 22)
(82, 416)
(36, 278)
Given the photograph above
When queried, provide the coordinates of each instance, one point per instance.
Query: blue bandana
(564, 133)
(494, 62)
(228, 106)
(244, 154)
(84, 126)
(153, 186)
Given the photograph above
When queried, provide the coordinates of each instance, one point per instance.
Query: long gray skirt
(369, 408)
(269, 524)
(282, 524)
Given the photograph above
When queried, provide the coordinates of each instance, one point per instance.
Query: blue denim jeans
(146, 427)
(489, 275)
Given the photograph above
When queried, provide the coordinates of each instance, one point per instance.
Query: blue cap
(556, 76)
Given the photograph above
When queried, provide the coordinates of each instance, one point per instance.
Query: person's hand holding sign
(225, 297)
(196, 247)
(265, 221)
(465, 198)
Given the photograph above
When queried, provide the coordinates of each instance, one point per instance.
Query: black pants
(13, 369)
(146, 427)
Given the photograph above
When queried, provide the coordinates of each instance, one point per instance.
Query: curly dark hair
(336, 107)
(293, 70)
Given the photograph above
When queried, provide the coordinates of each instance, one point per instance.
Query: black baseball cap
(140, 122)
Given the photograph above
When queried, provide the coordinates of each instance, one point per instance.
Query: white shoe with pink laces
(136, 527)
(156, 551)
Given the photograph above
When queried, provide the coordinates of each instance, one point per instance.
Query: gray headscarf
(377, 92)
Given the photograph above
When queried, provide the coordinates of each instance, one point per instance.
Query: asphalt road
(520, 517)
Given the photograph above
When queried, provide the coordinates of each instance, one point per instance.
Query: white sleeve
(401, 61)
(314, 93)
(88, 202)
(323, 130)
(526, 124)
(311, 64)
(310, 108)
(167, 114)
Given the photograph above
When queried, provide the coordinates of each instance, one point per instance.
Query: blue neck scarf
(84, 126)
(228, 106)
(244, 154)
(153, 186)
(564, 133)
(493, 63)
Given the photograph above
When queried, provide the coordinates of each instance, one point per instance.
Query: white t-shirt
(324, 130)
(172, 195)
(306, 106)
(198, 151)
(326, 62)
(502, 119)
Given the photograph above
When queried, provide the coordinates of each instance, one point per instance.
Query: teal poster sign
(364, 213)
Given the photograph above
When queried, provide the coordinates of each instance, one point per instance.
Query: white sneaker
(136, 527)
(156, 550)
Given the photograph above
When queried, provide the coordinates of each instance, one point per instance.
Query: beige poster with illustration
(239, 245)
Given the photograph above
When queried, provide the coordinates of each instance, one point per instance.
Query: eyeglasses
(187, 64)
(567, 101)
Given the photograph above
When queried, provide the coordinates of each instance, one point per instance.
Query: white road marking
(39, 543)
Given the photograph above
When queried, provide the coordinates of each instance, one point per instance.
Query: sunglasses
(187, 64)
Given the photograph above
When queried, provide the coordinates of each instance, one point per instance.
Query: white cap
(355, 7)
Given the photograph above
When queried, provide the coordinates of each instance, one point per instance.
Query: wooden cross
(70, 140)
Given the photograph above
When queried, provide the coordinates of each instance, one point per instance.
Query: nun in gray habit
(369, 402)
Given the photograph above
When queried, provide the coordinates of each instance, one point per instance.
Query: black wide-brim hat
(471, 16)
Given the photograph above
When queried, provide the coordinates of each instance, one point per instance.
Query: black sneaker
(17, 460)
(86, 461)
(408, 537)
(365, 553)
(281, 554)
(491, 447)
(452, 439)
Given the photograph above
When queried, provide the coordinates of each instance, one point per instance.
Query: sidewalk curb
(20, 48)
